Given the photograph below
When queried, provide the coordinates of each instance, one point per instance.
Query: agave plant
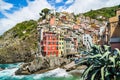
(102, 64)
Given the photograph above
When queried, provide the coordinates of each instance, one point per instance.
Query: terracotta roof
(113, 19)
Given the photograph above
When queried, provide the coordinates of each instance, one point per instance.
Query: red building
(49, 44)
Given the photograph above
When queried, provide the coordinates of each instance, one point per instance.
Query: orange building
(115, 30)
(49, 44)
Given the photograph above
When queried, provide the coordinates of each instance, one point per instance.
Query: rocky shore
(1, 69)
(77, 71)
(41, 64)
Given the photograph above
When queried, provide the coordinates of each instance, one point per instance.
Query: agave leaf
(82, 61)
(101, 51)
(112, 59)
(102, 73)
(106, 54)
(107, 73)
(106, 47)
(95, 56)
(118, 51)
(95, 49)
(118, 63)
(85, 73)
(93, 76)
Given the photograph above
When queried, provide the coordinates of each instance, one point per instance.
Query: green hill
(19, 43)
(104, 12)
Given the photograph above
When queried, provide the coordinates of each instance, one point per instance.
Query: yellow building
(61, 45)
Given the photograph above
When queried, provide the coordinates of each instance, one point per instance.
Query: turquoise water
(56, 74)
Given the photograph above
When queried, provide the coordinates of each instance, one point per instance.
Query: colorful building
(67, 46)
(87, 41)
(71, 45)
(61, 45)
(52, 21)
(115, 30)
(49, 44)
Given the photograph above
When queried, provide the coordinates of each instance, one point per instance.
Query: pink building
(52, 21)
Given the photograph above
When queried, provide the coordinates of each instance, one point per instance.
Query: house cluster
(62, 34)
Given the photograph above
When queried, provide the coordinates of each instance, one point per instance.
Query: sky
(16, 11)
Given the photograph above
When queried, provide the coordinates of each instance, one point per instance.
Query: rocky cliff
(19, 43)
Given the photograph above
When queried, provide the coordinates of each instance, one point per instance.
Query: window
(119, 17)
(50, 37)
(48, 48)
(48, 42)
(57, 48)
(67, 46)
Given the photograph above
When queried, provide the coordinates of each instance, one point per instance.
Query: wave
(53, 73)
(9, 74)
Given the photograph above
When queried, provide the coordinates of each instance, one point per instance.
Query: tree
(44, 13)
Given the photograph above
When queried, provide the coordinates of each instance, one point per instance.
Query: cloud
(58, 1)
(26, 13)
(61, 9)
(69, 1)
(113, 3)
(81, 6)
(5, 5)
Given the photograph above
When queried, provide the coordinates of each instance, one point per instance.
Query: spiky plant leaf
(107, 72)
(118, 51)
(93, 76)
(106, 54)
(95, 56)
(102, 73)
(87, 71)
(106, 47)
(112, 59)
(103, 60)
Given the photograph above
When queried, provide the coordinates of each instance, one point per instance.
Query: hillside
(102, 14)
(19, 43)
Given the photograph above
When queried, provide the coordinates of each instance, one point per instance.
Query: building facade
(61, 45)
(49, 44)
(115, 30)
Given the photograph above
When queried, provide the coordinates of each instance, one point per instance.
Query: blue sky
(18, 4)
(16, 11)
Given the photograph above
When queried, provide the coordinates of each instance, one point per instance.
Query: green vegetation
(104, 12)
(19, 43)
(0, 37)
(44, 13)
(23, 29)
(102, 64)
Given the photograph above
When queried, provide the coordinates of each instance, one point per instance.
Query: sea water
(57, 74)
